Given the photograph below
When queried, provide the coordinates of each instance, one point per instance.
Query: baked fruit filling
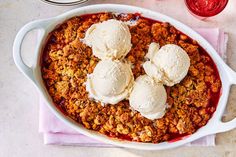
(67, 61)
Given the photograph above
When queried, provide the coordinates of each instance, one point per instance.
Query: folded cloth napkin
(56, 132)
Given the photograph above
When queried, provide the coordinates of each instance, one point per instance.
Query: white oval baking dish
(227, 75)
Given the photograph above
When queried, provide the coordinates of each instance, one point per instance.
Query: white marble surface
(19, 100)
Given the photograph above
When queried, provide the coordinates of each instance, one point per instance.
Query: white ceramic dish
(65, 2)
(227, 75)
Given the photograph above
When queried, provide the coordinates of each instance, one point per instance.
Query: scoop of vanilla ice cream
(148, 97)
(110, 82)
(109, 40)
(168, 65)
(152, 50)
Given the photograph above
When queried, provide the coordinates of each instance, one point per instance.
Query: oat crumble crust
(66, 61)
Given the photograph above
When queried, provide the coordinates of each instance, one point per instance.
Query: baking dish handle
(38, 24)
(226, 126)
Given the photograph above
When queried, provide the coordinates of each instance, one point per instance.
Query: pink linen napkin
(56, 132)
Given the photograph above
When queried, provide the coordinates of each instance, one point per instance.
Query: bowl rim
(73, 2)
(45, 26)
